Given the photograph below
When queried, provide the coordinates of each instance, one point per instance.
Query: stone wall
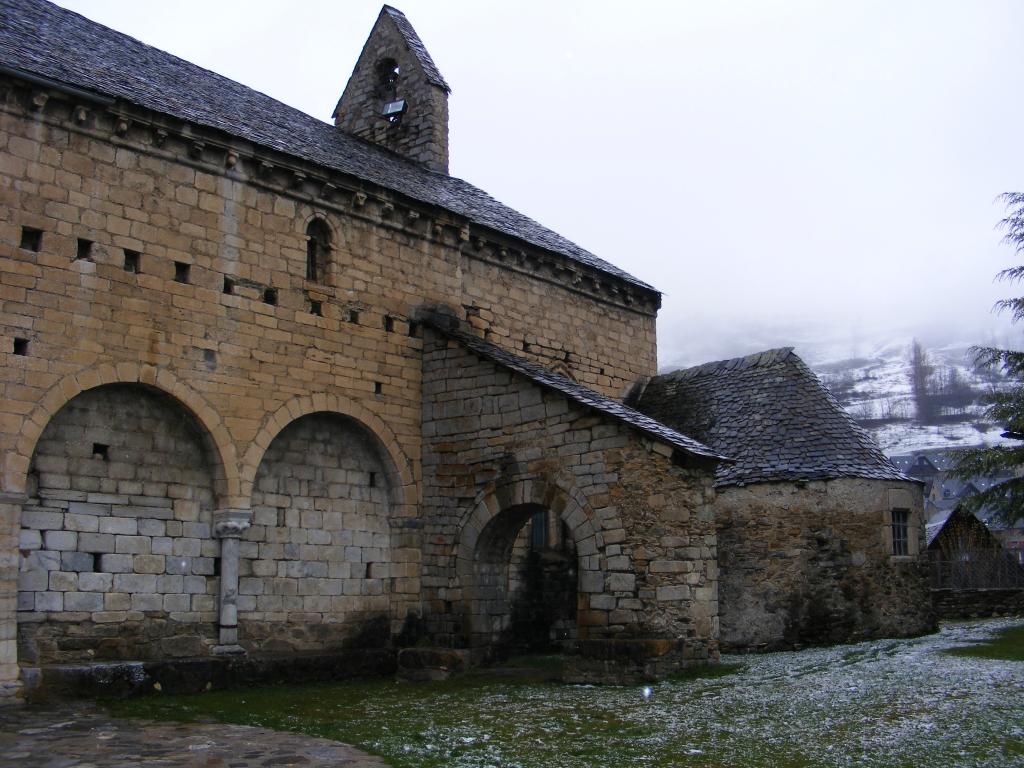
(978, 603)
(498, 447)
(812, 563)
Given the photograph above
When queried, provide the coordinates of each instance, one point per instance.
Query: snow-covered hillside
(875, 387)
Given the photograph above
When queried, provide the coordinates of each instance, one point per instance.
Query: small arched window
(318, 246)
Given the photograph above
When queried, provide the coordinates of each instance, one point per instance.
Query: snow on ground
(882, 703)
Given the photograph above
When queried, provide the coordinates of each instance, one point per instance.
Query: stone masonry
(813, 564)
(500, 446)
(212, 415)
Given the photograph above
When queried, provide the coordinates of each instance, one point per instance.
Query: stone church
(276, 386)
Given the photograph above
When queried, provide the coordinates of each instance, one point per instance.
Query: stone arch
(122, 488)
(17, 462)
(406, 490)
(490, 529)
(325, 563)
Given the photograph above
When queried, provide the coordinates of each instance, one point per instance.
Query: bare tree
(921, 371)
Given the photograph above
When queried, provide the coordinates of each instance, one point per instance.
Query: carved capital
(231, 523)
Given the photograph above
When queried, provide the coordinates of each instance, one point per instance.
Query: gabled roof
(416, 46)
(770, 413)
(570, 389)
(42, 39)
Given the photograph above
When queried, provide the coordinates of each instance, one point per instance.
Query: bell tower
(396, 97)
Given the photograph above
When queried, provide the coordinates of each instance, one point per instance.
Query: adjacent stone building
(276, 386)
(820, 538)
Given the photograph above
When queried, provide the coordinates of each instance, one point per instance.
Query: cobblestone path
(84, 736)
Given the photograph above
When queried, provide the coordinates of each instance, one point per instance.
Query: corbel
(39, 99)
(359, 199)
(231, 159)
(81, 114)
(195, 150)
(121, 126)
(159, 137)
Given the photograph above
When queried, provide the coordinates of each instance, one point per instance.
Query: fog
(785, 172)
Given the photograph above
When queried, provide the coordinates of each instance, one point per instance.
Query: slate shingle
(771, 414)
(43, 39)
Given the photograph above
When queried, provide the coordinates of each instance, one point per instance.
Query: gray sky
(782, 171)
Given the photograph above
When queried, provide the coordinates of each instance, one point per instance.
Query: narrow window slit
(270, 296)
(101, 451)
(229, 286)
(316, 308)
(414, 329)
(318, 246)
(353, 316)
(377, 387)
(373, 479)
(389, 323)
(21, 347)
(181, 272)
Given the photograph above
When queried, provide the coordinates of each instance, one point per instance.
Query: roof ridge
(754, 360)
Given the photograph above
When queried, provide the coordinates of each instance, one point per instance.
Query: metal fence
(983, 569)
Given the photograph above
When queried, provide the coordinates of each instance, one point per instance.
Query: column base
(229, 650)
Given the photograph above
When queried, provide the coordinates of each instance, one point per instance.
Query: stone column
(10, 523)
(229, 525)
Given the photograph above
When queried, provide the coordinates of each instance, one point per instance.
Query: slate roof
(771, 414)
(416, 46)
(45, 40)
(570, 389)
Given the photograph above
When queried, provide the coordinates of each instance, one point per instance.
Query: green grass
(1005, 645)
(882, 704)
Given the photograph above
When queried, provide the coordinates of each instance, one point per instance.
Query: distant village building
(278, 386)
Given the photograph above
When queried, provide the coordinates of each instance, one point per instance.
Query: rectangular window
(131, 261)
(31, 238)
(900, 542)
(84, 252)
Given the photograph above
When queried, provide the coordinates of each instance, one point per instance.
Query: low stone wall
(978, 603)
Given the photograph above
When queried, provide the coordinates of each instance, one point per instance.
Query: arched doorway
(522, 582)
